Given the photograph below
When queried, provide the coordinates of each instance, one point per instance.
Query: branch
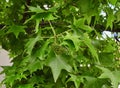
(102, 28)
(26, 9)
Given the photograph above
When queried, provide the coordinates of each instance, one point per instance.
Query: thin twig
(53, 30)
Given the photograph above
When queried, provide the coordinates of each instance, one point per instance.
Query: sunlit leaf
(36, 9)
(113, 2)
(26, 86)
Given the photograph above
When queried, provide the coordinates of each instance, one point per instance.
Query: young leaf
(15, 29)
(36, 9)
(49, 16)
(25, 86)
(57, 63)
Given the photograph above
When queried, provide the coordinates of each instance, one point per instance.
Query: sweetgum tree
(58, 43)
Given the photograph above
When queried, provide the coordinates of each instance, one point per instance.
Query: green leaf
(40, 53)
(107, 59)
(109, 48)
(88, 42)
(57, 63)
(113, 2)
(86, 28)
(11, 78)
(110, 18)
(84, 5)
(15, 29)
(30, 44)
(47, 16)
(34, 65)
(37, 25)
(80, 24)
(74, 39)
(114, 76)
(25, 86)
(76, 79)
(92, 82)
(36, 9)
(117, 14)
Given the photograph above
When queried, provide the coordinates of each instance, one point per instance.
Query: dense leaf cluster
(58, 43)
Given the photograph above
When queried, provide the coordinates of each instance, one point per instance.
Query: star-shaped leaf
(15, 29)
(57, 63)
(114, 76)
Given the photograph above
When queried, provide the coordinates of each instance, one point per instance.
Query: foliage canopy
(57, 43)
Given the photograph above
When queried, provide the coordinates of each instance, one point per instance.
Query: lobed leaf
(16, 30)
(57, 64)
(114, 76)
